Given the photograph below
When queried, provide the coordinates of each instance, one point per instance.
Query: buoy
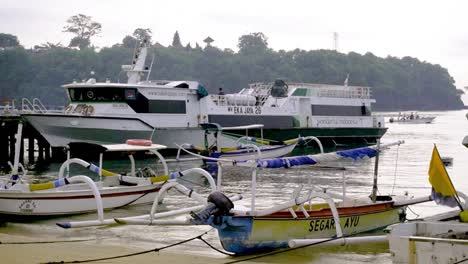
(139, 142)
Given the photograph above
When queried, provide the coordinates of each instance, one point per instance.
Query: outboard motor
(218, 205)
(279, 89)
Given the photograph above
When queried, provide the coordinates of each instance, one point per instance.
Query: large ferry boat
(171, 112)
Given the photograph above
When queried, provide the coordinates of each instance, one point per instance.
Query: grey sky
(432, 31)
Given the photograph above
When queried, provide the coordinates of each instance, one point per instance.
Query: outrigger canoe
(310, 216)
(242, 147)
(76, 194)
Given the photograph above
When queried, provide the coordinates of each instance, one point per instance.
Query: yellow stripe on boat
(41, 186)
(229, 149)
(160, 178)
(291, 141)
(264, 142)
(108, 173)
(48, 185)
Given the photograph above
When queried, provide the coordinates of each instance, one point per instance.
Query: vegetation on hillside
(398, 83)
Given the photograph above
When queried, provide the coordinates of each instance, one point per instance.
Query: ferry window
(337, 110)
(167, 106)
(130, 94)
(102, 94)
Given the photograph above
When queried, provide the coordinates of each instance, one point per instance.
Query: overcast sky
(432, 31)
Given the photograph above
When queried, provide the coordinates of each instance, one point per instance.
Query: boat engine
(218, 205)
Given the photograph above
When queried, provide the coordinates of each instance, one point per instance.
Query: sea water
(402, 170)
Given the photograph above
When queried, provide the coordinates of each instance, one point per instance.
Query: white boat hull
(422, 120)
(265, 153)
(72, 199)
(428, 242)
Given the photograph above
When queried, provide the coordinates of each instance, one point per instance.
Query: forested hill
(398, 83)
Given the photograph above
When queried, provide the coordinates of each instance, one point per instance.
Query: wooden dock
(35, 150)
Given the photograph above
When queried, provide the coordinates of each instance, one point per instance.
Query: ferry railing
(35, 106)
(320, 90)
(38, 106)
(26, 105)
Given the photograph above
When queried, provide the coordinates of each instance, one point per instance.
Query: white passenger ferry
(170, 112)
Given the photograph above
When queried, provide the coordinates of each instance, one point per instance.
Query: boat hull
(247, 235)
(61, 129)
(64, 201)
(422, 120)
(266, 153)
(425, 242)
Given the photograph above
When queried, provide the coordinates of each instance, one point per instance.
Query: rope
(463, 260)
(131, 254)
(192, 182)
(417, 215)
(218, 250)
(136, 199)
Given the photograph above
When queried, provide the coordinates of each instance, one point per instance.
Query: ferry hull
(331, 138)
(247, 235)
(60, 129)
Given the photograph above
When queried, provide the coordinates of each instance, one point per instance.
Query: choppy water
(401, 169)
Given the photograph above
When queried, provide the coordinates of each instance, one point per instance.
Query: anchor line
(136, 199)
(461, 261)
(417, 215)
(192, 182)
(216, 249)
(131, 254)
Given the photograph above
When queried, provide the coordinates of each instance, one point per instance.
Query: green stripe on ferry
(300, 92)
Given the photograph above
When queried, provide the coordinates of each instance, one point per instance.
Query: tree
(47, 46)
(83, 28)
(129, 42)
(143, 33)
(8, 40)
(176, 40)
(252, 43)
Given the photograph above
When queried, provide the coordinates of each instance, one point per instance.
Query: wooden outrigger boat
(79, 193)
(301, 220)
(241, 147)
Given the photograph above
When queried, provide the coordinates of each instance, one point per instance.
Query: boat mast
(376, 169)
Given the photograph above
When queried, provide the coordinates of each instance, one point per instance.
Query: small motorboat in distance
(412, 118)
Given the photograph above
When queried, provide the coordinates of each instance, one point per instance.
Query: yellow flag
(438, 176)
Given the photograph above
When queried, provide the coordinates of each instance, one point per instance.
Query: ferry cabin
(166, 104)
